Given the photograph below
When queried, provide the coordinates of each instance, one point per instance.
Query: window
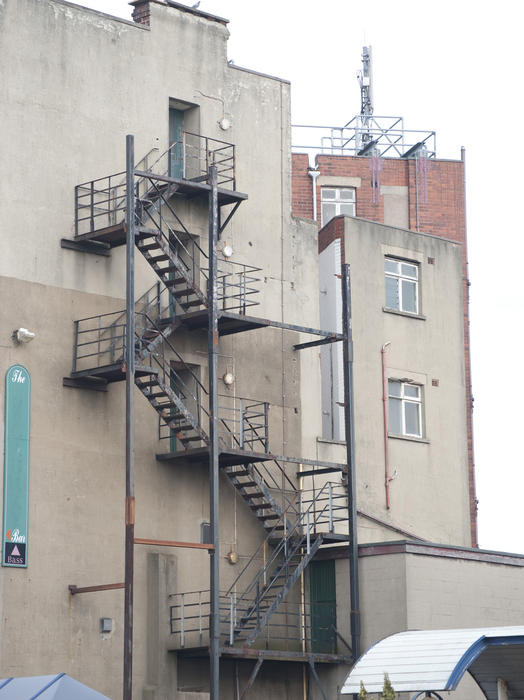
(401, 285)
(405, 409)
(337, 200)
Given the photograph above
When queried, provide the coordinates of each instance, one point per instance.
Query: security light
(22, 335)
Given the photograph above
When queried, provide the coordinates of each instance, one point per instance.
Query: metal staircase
(295, 528)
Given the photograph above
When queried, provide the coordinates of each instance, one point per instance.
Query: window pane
(347, 195)
(347, 209)
(394, 422)
(409, 296)
(409, 270)
(328, 194)
(412, 415)
(391, 266)
(393, 387)
(328, 212)
(392, 297)
(411, 391)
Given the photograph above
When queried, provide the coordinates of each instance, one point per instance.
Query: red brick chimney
(141, 12)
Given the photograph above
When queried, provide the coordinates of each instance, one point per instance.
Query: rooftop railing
(369, 135)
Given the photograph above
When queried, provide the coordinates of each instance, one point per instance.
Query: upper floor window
(401, 285)
(337, 200)
(405, 409)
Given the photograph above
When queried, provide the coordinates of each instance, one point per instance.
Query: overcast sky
(451, 67)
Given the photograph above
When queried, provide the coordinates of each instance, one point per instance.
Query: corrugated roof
(427, 660)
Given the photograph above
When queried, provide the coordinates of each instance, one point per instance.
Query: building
(277, 521)
(404, 185)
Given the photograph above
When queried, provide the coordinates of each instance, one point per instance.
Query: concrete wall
(438, 588)
(429, 491)
(75, 83)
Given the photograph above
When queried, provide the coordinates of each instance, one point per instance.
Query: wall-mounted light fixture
(228, 378)
(22, 335)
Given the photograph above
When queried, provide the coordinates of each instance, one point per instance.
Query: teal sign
(16, 466)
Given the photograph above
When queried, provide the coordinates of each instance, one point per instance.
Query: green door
(176, 135)
(322, 592)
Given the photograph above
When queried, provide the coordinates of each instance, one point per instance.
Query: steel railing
(100, 341)
(237, 283)
(297, 625)
(321, 511)
(101, 202)
(384, 136)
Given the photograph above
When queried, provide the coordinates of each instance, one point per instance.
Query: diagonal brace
(252, 677)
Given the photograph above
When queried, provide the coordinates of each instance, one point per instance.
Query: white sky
(453, 67)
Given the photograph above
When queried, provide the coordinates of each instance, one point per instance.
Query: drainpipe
(387, 478)
(313, 174)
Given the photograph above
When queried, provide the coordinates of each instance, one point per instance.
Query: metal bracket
(93, 383)
(94, 247)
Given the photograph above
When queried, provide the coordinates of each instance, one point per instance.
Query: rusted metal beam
(212, 340)
(324, 341)
(130, 419)
(349, 418)
(252, 677)
(170, 543)
(315, 676)
(93, 589)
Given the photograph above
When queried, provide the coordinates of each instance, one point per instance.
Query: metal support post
(130, 446)
(350, 452)
(212, 292)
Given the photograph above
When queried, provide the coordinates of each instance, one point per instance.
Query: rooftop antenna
(365, 79)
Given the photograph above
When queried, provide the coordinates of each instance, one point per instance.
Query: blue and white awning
(436, 660)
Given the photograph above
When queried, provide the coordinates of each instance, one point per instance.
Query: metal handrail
(304, 518)
(293, 623)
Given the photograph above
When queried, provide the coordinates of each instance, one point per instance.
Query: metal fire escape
(195, 290)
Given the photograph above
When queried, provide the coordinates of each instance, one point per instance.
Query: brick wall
(443, 214)
(141, 12)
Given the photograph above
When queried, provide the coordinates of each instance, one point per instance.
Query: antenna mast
(365, 79)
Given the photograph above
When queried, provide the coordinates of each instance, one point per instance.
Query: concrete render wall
(403, 591)
(428, 494)
(76, 83)
(434, 203)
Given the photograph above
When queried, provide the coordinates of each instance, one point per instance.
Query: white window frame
(337, 200)
(400, 276)
(404, 400)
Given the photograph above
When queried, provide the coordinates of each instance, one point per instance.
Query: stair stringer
(286, 588)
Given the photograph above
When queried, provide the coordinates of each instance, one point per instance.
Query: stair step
(187, 304)
(143, 385)
(172, 282)
(191, 438)
(185, 426)
(158, 258)
(183, 292)
(149, 246)
(271, 516)
(260, 506)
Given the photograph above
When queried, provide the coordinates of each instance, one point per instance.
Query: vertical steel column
(212, 296)
(350, 451)
(130, 442)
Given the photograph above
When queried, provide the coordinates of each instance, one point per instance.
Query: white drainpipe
(313, 174)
